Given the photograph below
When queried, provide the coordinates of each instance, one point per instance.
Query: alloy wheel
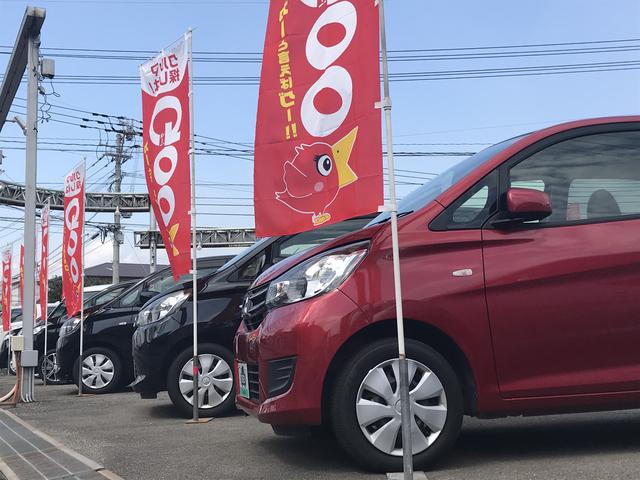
(215, 381)
(378, 407)
(97, 371)
(50, 368)
(12, 364)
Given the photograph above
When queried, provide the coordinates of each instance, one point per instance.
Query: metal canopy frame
(13, 194)
(31, 24)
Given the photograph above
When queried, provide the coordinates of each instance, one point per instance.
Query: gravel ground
(145, 439)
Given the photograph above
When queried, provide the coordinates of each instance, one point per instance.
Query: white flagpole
(8, 331)
(46, 294)
(405, 406)
(194, 270)
(80, 361)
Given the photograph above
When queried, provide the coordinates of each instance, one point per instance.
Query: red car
(521, 294)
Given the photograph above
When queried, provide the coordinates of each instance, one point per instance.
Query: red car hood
(281, 267)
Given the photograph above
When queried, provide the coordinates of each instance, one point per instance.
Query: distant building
(103, 273)
(96, 275)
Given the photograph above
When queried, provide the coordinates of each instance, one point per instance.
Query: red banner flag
(318, 155)
(6, 289)
(44, 262)
(166, 140)
(22, 276)
(72, 239)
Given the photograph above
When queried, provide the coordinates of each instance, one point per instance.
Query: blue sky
(428, 116)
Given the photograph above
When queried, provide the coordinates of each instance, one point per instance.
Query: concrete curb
(7, 472)
(91, 464)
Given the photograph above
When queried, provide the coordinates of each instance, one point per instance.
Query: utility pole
(25, 59)
(116, 216)
(119, 157)
(28, 309)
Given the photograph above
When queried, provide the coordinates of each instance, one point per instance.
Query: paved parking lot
(145, 439)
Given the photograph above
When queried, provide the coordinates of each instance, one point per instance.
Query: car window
(131, 298)
(422, 196)
(159, 284)
(532, 184)
(57, 312)
(107, 296)
(592, 177)
(253, 268)
(306, 240)
(472, 209)
(625, 193)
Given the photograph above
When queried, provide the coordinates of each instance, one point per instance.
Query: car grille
(254, 382)
(255, 307)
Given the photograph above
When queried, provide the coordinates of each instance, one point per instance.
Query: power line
(559, 69)
(592, 46)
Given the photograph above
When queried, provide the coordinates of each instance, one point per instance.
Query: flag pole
(7, 247)
(194, 270)
(82, 283)
(46, 291)
(405, 406)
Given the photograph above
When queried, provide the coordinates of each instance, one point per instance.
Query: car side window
(131, 299)
(472, 209)
(251, 270)
(625, 193)
(305, 240)
(107, 297)
(593, 177)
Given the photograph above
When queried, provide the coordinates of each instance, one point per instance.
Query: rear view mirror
(524, 205)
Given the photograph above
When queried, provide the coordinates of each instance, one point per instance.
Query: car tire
(217, 383)
(104, 372)
(12, 364)
(53, 378)
(361, 418)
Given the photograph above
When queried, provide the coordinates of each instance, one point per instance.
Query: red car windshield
(428, 192)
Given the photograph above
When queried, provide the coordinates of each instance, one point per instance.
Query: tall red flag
(166, 139)
(6, 289)
(72, 243)
(318, 156)
(44, 262)
(22, 276)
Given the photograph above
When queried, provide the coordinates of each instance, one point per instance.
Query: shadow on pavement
(544, 438)
(167, 410)
(316, 453)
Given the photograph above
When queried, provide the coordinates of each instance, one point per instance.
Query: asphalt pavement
(146, 439)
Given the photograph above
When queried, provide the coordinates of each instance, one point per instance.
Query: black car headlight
(69, 326)
(160, 308)
(315, 276)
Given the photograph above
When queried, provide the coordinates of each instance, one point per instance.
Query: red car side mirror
(528, 203)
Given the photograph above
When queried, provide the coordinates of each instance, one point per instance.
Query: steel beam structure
(206, 238)
(13, 194)
(30, 28)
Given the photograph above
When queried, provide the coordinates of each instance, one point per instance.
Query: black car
(107, 362)
(15, 328)
(47, 364)
(163, 341)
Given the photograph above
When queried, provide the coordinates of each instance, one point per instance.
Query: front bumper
(310, 332)
(150, 345)
(67, 351)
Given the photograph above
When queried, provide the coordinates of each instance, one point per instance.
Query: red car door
(563, 293)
